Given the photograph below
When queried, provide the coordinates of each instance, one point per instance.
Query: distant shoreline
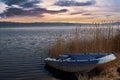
(39, 24)
(15, 24)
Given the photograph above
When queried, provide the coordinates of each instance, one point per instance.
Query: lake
(23, 50)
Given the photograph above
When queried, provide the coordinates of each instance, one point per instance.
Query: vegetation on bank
(96, 40)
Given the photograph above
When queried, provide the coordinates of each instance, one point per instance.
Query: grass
(95, 40)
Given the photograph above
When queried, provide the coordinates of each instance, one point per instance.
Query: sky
(74, 11)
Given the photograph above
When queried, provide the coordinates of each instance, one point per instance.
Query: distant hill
(43, 24)
(15, 24)
(116, 23)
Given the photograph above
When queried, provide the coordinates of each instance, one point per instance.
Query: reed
(110, 74)
(99, 41)
(95, 40)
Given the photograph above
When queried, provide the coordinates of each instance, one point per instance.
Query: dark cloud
(10, 12)
(44, 10)
(29, 4)
(18, 12)
(13, 2)
(87, 14)
(74, 3)
(76, 13)
(82, 12)
(26, 8)
(14, 11)
(23, 3)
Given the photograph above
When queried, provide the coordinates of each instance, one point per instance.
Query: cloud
(2, 7)
(74, 3)
(11, 2)
(69, 8)
(10, 12)
(30, 4)
(56, 11)
(83, 13)
(22, 3)
(87, 14)
(18, 2)
(16, 12)
(26, 8)
(76, 13)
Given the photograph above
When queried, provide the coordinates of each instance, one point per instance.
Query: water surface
(23, 50)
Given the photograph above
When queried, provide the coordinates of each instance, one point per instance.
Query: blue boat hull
(71, 68)
(78, 62)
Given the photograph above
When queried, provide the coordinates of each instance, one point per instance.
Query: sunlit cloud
(3, 7)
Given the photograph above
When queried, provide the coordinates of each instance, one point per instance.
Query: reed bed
(106, 40)
(98, 39)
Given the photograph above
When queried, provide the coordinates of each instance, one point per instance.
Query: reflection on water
(23, 50)
(61, 74)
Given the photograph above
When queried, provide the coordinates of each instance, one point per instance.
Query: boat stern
(107, 58)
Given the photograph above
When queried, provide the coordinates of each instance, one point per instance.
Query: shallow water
(23, 50)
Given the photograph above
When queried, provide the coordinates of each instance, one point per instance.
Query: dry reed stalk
(103, 42)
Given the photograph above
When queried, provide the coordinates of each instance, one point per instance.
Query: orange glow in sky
(59, 10)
